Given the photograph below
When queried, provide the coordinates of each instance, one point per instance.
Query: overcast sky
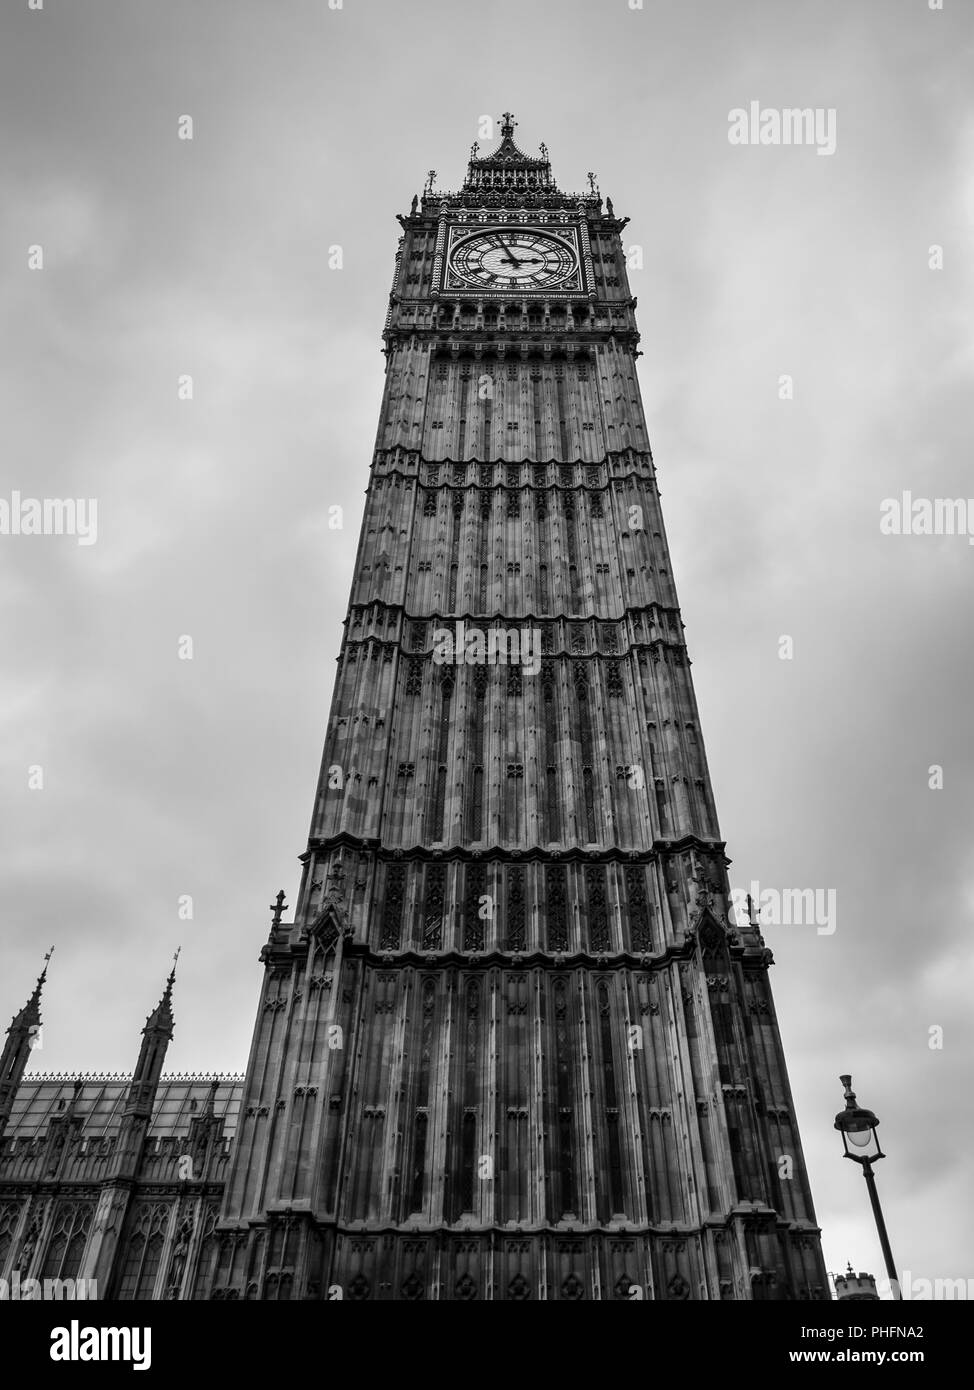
(314, 127)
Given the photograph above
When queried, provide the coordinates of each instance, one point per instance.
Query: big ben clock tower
(513, 1045)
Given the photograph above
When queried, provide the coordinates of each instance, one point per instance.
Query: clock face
(513, 258)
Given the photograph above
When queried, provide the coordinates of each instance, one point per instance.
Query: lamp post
(858, 1130)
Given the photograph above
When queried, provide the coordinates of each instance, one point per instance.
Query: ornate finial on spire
(507, 170)
(277, 907)
(43, 975)
(543, 149)
(36, 995)
(591, 181)
(165, 1003)
(430, 180)
(475, 150)
(161, 1015)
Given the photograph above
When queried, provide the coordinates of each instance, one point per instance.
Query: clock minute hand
(513, 259)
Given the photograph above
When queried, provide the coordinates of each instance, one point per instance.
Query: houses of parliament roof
(99, 1099)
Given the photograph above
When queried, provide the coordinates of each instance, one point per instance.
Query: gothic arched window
(69, 1236)
(143, 1253)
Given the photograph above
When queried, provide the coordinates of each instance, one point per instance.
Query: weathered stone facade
(511, 1045)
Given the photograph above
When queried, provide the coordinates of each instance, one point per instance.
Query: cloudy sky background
(314, 127)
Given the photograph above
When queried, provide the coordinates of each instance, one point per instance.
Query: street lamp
(861, 1142)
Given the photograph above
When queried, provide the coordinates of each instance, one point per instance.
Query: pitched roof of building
(100, 1100)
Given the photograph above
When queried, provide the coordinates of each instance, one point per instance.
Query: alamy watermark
(50, 516)
(907, 515)
(17, 1290)
(787, 907)
(503, 646)
(912, 1289)
(77, 1343)
(790, 125)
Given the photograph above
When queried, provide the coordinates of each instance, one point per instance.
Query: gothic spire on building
(508, 168)
(156, 1037)
(23, 1035)
(505, 175)
(160, 1020)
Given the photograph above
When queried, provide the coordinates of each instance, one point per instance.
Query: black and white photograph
(486, 591)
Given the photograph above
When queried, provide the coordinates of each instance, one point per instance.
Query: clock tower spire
(506, 168)
(513, 1045)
